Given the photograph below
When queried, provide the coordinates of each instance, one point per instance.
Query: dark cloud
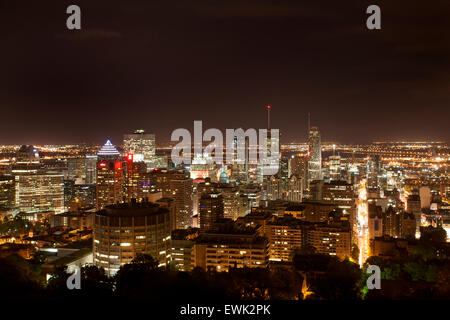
(160, 65)
(85, 34)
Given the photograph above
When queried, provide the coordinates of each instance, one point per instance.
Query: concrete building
(232, 248)
(124, 230)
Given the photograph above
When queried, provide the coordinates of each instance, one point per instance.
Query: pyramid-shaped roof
(108, 150)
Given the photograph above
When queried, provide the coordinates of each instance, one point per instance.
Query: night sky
(160, 65)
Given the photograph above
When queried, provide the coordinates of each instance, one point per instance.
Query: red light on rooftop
(268, 107)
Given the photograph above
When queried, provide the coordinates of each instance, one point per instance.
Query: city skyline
(196, 153)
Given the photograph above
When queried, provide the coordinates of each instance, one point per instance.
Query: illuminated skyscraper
(137, 181)
(142, 146)
(373, 171)
(211, 209)
(125, 230)
(36, 189)
(179, 186)
(335, 167)
(239, 171)
(294, 189)
(76, 168)
(91, 169)
(314, 155)
(109, 176)
(7, 191)
(272, 161)
(299, 166)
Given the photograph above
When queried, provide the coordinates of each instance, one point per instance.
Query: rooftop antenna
(268, 118)
(309, 122)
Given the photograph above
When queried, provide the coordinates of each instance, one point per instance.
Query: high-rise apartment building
(285, 236)
(332, 239)
(221, 250)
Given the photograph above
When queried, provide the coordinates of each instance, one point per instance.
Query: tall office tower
(299, 167)
(373, 171)
(110, 178)
(239, 169)
(91, 169)
(210, 210)
(231, 201)
(36, 189)
(294, 189)
(179, 186)
(413, 206)
(270, 164)
(76, 168)
(181, 190)
(200, 188)
(136, 179)
(425, 196)
(85, 194)
(253, 193)
(335, 167)
(69, 187)
(7, 192)
(142, 146)
(342, 194)
(40, 192)
(375, 216)
(314, 155)
(399, 224)
(274, 188)
(285, 170)
(124, 230)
